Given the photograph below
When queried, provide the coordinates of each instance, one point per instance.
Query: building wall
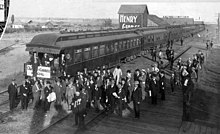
(145, 20)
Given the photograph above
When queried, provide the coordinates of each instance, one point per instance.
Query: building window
(86, 53)
(78, 55)
(95, 52)
(102, 50)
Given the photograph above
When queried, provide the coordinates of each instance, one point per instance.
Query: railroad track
(93, 121)
(4, 97)
(6, 48)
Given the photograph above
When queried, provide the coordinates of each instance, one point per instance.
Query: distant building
(178, 20)
(17, 24)
(131, 16)
(32, 24)
(50, 24)
(198, 22)
(155, 21)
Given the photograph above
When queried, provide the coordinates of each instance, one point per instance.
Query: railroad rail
(5, 48)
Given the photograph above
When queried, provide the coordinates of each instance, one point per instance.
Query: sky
(206, 10)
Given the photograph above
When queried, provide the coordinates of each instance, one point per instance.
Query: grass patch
(6, 81)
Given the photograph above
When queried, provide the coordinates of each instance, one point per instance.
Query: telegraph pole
(218, 27)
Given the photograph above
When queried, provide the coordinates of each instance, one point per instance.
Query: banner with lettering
(42, 72)
(129, 20)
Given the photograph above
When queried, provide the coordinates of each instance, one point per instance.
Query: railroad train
(71, 52)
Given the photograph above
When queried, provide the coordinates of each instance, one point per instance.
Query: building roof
(178, 20)
(52, 23)
(133, 9)
(157, 20)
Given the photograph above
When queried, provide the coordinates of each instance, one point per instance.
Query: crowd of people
(106, 89)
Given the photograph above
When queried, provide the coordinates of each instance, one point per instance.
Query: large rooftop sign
(129, 21)
(131, 16)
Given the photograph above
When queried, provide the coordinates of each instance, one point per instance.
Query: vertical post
(218, 27)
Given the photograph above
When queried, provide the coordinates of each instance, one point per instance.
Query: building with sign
(131, 16)
(155, 21)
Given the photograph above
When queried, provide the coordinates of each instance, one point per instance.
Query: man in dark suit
(162, 85)
(24, 96)
(78, 106)
(171, 58)
(137, 98)
(12, 91)
(154, 89)
(120, 98)
(109, 92)
(29, 85)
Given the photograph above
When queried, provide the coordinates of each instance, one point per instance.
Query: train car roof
(50, 43)
(154, 31)
(79, 42)
(47, 43)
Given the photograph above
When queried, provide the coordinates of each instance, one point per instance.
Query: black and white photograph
(109, 67)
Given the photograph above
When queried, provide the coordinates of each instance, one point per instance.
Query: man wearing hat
(12, 91)
(154, 87)
(77, 108)
(137, 98)
(162, 85)
(47, 91)
(24, 96)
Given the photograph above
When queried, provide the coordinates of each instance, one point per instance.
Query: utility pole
(218, 27)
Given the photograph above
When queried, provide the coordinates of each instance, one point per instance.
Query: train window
(86, 53)
(102, 50)
(120, 46)
(149, 39)
(94, 51)
(137, 42)
(81, 36)
(72, 37)
(112, 48)
(124, 45)
(116, 46)
(107, 47)
(89, 35)
(132, 43)
(128, 44)
(78, 55)
(97, 35)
